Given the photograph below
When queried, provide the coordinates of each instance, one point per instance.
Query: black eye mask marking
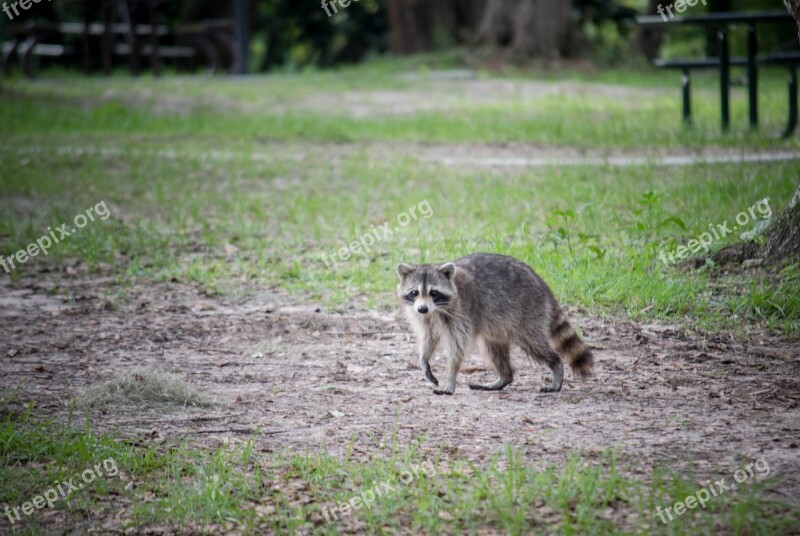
(410, 296)
(439, 298)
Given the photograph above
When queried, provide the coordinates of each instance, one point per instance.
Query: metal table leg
(792, 123)
(686, 87)
(724, 78)
(752, 75)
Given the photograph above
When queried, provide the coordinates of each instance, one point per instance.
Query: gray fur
(495, 301)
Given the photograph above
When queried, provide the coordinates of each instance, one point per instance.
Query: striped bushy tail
(571, 347)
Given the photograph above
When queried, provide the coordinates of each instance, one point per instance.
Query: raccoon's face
(425, 287)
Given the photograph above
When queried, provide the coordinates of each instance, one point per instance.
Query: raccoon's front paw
(442, 392)
(549, 389)
(431, 377)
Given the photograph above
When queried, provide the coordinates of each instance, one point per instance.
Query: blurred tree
(195, 10)
(302, 33)
(545, 29)
(648, 40)
(554, 29)
(794, 8)
(404, 32)
(531, 28)
(419, 25)
(299, 33)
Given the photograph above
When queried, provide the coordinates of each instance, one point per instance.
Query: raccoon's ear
(404, 269)
(448, 270)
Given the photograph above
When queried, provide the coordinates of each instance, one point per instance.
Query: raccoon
(494, 301)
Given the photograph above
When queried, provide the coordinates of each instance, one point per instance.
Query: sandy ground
(313, 380)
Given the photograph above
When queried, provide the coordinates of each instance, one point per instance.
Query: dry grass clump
(145, 389)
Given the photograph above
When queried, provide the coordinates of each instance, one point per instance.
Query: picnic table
(722, 23)
(27, 41)
(121, 36)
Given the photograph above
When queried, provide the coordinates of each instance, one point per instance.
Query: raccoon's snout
(422, 309)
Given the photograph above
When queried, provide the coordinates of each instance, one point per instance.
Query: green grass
(593, 114)
(229, 225)
(236, 487)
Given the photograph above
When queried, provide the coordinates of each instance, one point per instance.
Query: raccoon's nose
(422, 309)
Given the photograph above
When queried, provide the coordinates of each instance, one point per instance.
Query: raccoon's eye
(438, 297)
(414, 293)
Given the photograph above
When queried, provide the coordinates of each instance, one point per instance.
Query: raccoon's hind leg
(549, 357)
(500, 356)
(556, 364)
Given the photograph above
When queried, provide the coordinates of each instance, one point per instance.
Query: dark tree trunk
(543, 29)
(783, 237)
(532, 28)
(468, 18)
(648, 40)
(497, 24)
(419, 25)
(782, 242)
(403, 33)
(794, 8)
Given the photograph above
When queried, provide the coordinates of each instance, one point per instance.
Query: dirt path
(471, 155)
(409, 93)
(314, 380)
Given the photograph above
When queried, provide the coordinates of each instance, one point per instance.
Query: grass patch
(235, 488)
(240, 223)
(617, 108)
